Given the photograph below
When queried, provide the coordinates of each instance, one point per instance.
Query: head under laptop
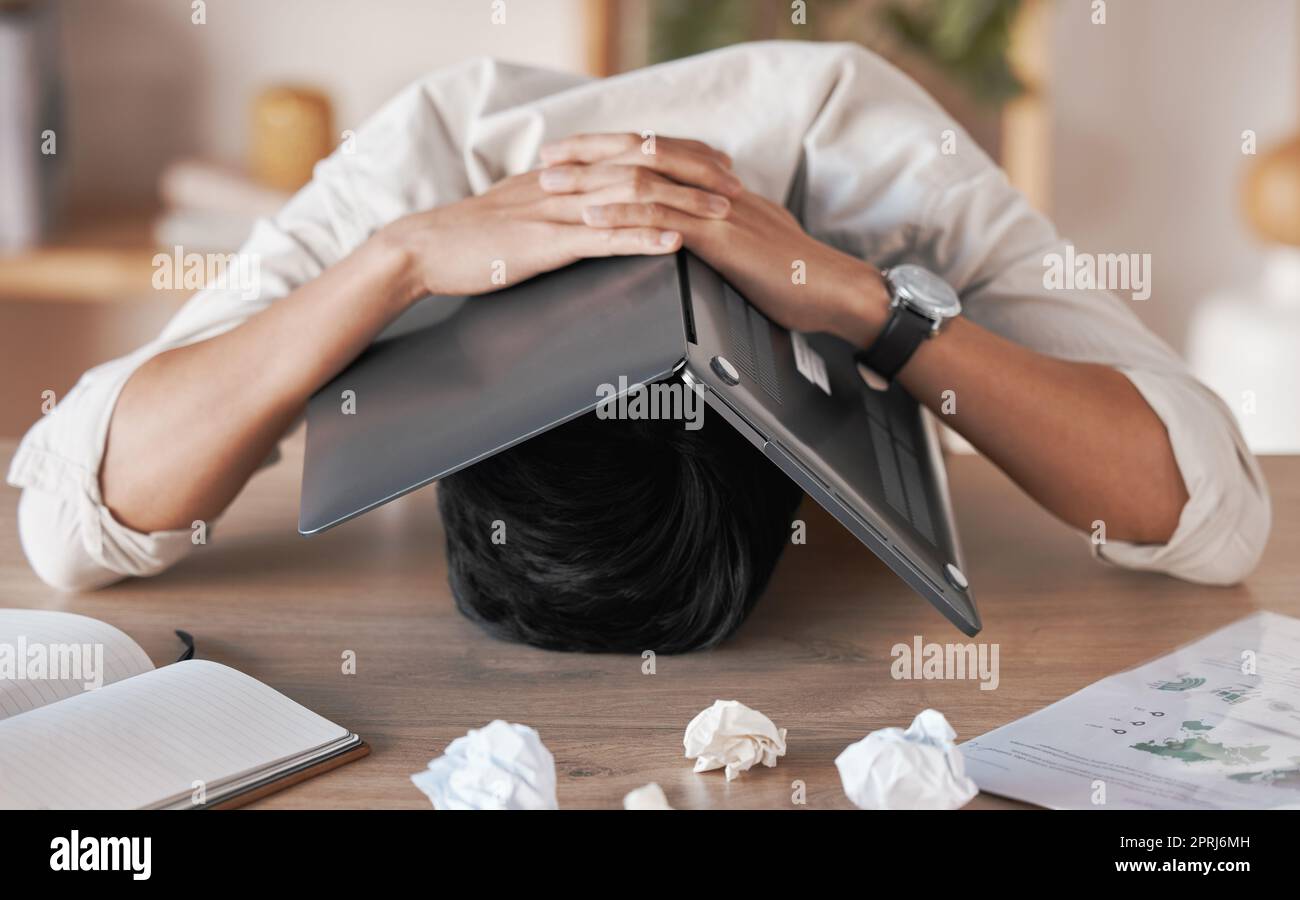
(629, 534)
(618, 535)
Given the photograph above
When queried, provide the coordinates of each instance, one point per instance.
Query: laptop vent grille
(900, 470)
(750, 336)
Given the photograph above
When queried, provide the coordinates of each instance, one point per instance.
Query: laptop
(453, 382)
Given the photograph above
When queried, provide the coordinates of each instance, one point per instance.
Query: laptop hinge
(684, 289)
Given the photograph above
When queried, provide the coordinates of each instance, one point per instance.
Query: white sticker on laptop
(809, 362)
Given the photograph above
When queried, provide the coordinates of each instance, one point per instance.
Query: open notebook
(191, 734)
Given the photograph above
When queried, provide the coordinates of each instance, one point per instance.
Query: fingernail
(547, 153)
(668, 238)
(595, 215)
(556, 180)
(718, 205)
(733, 185)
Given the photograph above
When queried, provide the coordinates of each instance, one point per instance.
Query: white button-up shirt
(879, 185)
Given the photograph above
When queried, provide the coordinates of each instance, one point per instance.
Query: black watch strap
(903, 333)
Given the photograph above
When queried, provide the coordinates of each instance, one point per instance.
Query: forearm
(193, 424)
(1078, 437)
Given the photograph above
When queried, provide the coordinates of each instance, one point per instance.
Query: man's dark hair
(619, 535)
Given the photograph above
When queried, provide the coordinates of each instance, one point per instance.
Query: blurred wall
(1148, 112)
(144, 85)
(1145, 151)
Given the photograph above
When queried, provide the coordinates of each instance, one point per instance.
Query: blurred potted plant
(966, 41)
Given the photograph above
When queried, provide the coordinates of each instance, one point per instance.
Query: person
(1063, 389)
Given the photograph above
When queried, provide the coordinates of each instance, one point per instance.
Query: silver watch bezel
(937, 309)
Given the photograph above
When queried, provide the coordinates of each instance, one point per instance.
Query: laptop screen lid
(505, 366)
(426, 400)
(870, 458)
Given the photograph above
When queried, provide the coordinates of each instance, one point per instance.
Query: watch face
(924, 291)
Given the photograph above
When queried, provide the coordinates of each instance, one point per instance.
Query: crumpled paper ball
(731, 736)
(920, 768)
(650, 796)
(498, 766)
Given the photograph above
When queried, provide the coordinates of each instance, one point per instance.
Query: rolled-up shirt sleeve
(70, 537)
(1225, 524)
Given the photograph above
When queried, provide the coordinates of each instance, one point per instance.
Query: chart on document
(1215, 724)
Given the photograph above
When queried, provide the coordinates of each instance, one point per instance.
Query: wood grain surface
(815, 655)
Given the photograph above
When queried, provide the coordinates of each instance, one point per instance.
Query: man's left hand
(757, 245)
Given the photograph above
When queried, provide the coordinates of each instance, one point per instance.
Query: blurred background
(1169, 127)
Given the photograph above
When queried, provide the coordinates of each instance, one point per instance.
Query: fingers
(687, 167)
(566, 179)
(603, 184)
(581, 241)
(637, 215)
(590, 148)
(684, 161)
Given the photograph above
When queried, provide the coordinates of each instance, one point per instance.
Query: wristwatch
(919, 303)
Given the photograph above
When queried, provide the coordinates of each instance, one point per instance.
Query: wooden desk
(814, 656)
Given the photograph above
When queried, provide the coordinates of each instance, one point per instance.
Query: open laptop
(452, 384)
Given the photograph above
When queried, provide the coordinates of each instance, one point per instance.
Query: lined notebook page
(146, 740)
(84, 648)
